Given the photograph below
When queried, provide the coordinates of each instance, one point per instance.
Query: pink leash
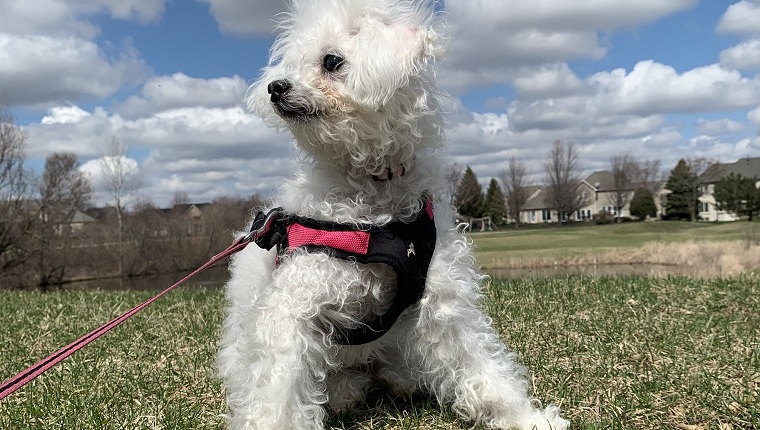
(32, 372)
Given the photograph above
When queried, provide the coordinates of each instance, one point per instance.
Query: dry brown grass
(703, 259)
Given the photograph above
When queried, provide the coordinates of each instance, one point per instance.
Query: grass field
(640, 353)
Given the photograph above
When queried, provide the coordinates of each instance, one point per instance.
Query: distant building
(708, 210)
(192, 215)
(598, 190)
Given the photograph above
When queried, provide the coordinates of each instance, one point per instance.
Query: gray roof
(747, 167)
(604, 180)
(535, 203)
(80, 217)
(601, 180)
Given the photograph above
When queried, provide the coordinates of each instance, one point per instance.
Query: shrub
(642, 204)
(603, 217)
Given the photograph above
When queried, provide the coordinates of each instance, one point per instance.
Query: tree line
(506, 197)
(45, 239)
(631, 183)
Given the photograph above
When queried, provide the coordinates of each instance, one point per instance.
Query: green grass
(638, 353)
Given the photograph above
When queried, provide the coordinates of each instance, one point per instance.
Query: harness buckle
(265, 231)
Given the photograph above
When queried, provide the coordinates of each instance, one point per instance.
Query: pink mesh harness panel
(407, 246)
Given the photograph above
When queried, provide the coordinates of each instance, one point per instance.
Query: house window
(704, 207)
(546, 215)
(532, 216)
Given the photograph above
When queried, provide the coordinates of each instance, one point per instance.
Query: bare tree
(122, 182)
(180, 198)
(453, 177)
(649, 175)
(563, 179)
(61, 192)
(624, 169)
(15, 219)
(514, 180)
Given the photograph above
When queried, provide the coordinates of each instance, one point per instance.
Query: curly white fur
(377, 110)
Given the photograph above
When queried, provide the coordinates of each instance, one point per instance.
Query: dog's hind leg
(347, 387)
(459, 356)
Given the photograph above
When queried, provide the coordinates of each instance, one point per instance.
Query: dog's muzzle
(278, 89)
(287, 103)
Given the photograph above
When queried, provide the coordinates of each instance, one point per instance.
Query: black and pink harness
(406, 246)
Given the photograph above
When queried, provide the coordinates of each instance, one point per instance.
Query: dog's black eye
(332, 63)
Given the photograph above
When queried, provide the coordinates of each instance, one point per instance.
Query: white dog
(372, 281)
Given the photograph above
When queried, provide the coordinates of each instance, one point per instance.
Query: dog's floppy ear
(385, 57)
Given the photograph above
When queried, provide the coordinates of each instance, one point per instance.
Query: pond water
(213, 277)
(217, 276)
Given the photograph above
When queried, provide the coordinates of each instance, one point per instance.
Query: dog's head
(352, 80)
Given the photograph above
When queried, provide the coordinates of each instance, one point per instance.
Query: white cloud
(493, 40)
(719, 127)
(554, 80)
(626, 103)
(64, 115)
(45, 69)
(48, 52)
(62, 17)
(245, 17)
(206, 152)
(97, 171)
(179, 90)
(653, 87)
(741, 18)
(754, 120)
(744, 56)
(563, 15)
(714, 148)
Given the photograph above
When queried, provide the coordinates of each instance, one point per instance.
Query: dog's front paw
(399, 385)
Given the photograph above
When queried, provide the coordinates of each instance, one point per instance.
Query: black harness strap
(406, 246)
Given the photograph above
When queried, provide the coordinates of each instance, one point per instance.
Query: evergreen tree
(469, 196)
(642, 204)
(737, 194)
(684, 192)
(495, 205)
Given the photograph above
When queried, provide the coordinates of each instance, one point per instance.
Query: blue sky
(661, 80)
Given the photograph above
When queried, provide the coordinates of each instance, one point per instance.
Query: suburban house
(601, 185)
(79, 221)
(191, 218)
(597, 190)
(537, 210)
(708, 210)
(192, 215)
(532, 212)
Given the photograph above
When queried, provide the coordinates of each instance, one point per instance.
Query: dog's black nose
(277, 89)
